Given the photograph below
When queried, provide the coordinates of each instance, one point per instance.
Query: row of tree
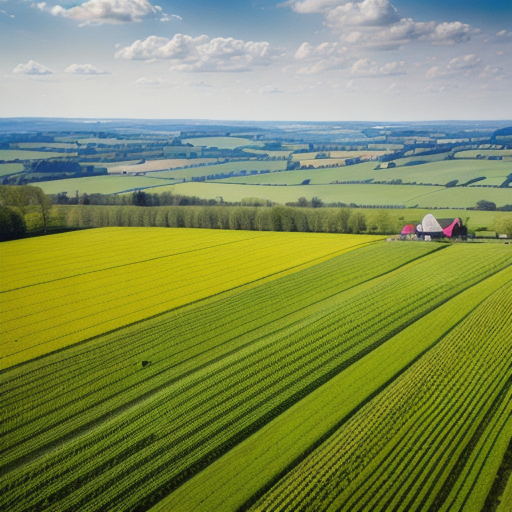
(275, 218)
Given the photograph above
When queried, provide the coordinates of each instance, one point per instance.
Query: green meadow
(19, 154)
(101, 184)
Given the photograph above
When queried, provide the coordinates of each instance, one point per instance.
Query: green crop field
(102, 184)
(484, 153)
(433, 173)
(20, 154)
(222, 142)
(6, 169)
(158, 165)
(206, 371)
(226, 168)
(367, 194)
(37, 145)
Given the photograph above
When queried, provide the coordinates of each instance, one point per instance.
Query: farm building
(439, 228)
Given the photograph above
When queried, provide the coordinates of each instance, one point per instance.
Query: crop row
(233, 481)
(422, 442)
(186, 422)
(42, 318)
(179, 343)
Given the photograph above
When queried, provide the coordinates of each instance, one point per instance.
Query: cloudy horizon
(318, 60)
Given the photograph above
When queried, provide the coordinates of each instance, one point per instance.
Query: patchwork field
(195, 370)
(159, 165)
(222, 142)
(367, 194)
(102, 184)
(20, 154)
(434, 172)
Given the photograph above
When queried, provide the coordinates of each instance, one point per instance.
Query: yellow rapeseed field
(62, 289)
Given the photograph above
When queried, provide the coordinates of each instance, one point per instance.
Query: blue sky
(320, 60)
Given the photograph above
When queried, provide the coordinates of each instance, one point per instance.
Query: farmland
(19, 154)
(102, 184)
(196, 370)
(222, 142)
(360, 194)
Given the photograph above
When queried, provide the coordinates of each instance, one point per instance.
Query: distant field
(222, 142)
(322, 162)
(6, 169)
(157, 165)
(101, 184)
(277, 154)
(19, 154)
(57, 145)
(474, 153)
(243, 165)
(420, 158)
(112, 142)
(359, 194)
(406, 195)
(434, 172)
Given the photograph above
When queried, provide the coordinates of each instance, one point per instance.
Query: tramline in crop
(202, 409)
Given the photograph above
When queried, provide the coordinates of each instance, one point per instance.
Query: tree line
(252, 218)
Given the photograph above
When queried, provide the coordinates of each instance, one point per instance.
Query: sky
(304, 60)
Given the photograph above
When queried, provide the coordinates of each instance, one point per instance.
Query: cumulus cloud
(201, 53)
(458, 66)
(465, 62)
(369, 68)
(325, 56)
(85, 69)
(372, 13)
(107, 11)
(407, 30)
(32, 68)
(376, 23)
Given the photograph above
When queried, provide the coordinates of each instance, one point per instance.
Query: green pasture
(56, 145)
(378, 195)
(484, 153)
(226, 168)
(270, 153)
(438, 157)
(101, 184)
(222, 142)
(112, 141)
(20, 154)
(433, 172)
(6, 169)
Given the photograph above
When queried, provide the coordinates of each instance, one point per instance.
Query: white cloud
(504, 35)
(495, 73)
(465, 62)
(325, 56)
(313, 6)
(32, 68)
(201, 53)
(153, 82)
(341, 16)
(373, 13)
(270, 89)
(462, 66)
(323, 50)
(6, 13)
(369, 68)
(85, 69)
(107, 11)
